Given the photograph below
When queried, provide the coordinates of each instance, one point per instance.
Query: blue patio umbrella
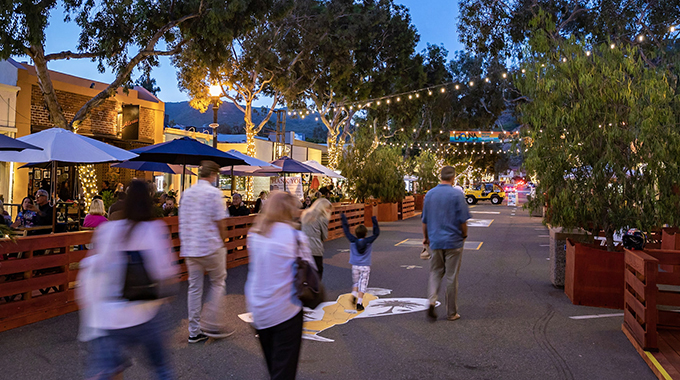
(185, 151)
(152, 167)
(9, 144)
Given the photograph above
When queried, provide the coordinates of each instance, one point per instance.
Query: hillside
(230, 119)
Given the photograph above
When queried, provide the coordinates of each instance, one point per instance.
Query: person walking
(445, 215)
(111, 319)
(202, 231)
(274, 244)
(315, 226)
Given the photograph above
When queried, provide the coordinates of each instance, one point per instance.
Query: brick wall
(147, 122)
(102, 120)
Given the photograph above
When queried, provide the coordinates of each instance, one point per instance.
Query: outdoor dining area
(39, 261)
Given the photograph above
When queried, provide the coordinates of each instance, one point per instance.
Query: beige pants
(213, 316)
(445, 263)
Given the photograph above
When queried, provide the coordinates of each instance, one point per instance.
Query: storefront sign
(293, 185)
(512, 198)
(481, 136)
(130, 123)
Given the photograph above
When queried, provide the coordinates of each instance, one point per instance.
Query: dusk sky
(435, 20)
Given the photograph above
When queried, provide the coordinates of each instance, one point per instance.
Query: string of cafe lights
(439, 88)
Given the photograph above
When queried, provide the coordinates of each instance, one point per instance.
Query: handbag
(310, 290)
(138, 284)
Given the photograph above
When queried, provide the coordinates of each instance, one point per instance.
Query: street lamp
(215, 93)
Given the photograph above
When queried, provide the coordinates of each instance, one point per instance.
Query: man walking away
(445, 215)
(202, 231)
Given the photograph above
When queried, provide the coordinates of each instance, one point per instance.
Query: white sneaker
(425, 253)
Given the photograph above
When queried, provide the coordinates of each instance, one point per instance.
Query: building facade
(130, 119)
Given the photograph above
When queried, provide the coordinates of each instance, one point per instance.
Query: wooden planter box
(355, 216)
(368, 213)
(418, 200)
(594, 276)
(407, 208)
(387, 212)
(670, 239)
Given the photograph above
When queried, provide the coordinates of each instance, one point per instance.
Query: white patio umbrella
(326, 171)
(61, 145)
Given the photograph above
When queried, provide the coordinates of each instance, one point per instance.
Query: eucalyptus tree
(120, 35)
(362, 52)
(604, 140)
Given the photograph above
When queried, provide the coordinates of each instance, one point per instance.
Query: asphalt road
(514, 324)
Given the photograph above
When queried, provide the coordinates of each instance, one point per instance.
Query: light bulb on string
(429, 92)
(443, 90)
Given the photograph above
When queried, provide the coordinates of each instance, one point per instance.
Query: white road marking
(485, 212)
(545, 245)
(540, 229)
(593, 316)
(543, 235)
(479, 222)
(412, 266)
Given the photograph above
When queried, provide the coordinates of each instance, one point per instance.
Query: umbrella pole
(284, 182)
(54, 195)
(233, 182)
(184, 170)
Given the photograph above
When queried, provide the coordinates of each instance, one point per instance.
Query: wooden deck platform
(666, 362)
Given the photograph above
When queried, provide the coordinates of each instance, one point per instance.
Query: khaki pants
(213, 316)
(445, 263)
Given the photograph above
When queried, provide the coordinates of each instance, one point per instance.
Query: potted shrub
(606, 156)
(383, 182)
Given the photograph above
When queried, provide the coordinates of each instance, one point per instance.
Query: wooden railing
(38, 273)
(37, 276)
(355, 216)
(640, 315)
(407, 208)
(652, 296)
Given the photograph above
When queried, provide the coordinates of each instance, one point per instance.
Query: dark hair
(138, 204)
(22, 202)
(107, 183)
(121, 195)
(171, 198)
(97, 197)
(361, 231)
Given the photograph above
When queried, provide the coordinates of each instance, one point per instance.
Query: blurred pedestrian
(111, 319)
(273, 246)
(96, 215)
(315, 226)
(445, 215)
(307, 203)
(202, 230)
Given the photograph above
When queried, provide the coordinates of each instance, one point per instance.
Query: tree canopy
(121, 35)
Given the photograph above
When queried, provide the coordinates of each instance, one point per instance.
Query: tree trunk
(610, 240)
(250, 151)
(37, 53)
(334, 150)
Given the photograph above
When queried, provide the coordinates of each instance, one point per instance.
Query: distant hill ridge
(230, 119)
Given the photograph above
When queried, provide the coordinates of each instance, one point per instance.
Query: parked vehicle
(485, 192)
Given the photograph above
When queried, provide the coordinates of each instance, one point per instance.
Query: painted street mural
(341, 311)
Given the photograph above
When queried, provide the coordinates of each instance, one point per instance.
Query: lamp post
(215, 92)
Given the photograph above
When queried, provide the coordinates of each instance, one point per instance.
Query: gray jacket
(317, 232)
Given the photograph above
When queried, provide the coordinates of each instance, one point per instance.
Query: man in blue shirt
(445, 215)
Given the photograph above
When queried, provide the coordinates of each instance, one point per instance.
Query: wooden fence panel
(407, 208)
(640, 298)
(355, 216)
(38, 273)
